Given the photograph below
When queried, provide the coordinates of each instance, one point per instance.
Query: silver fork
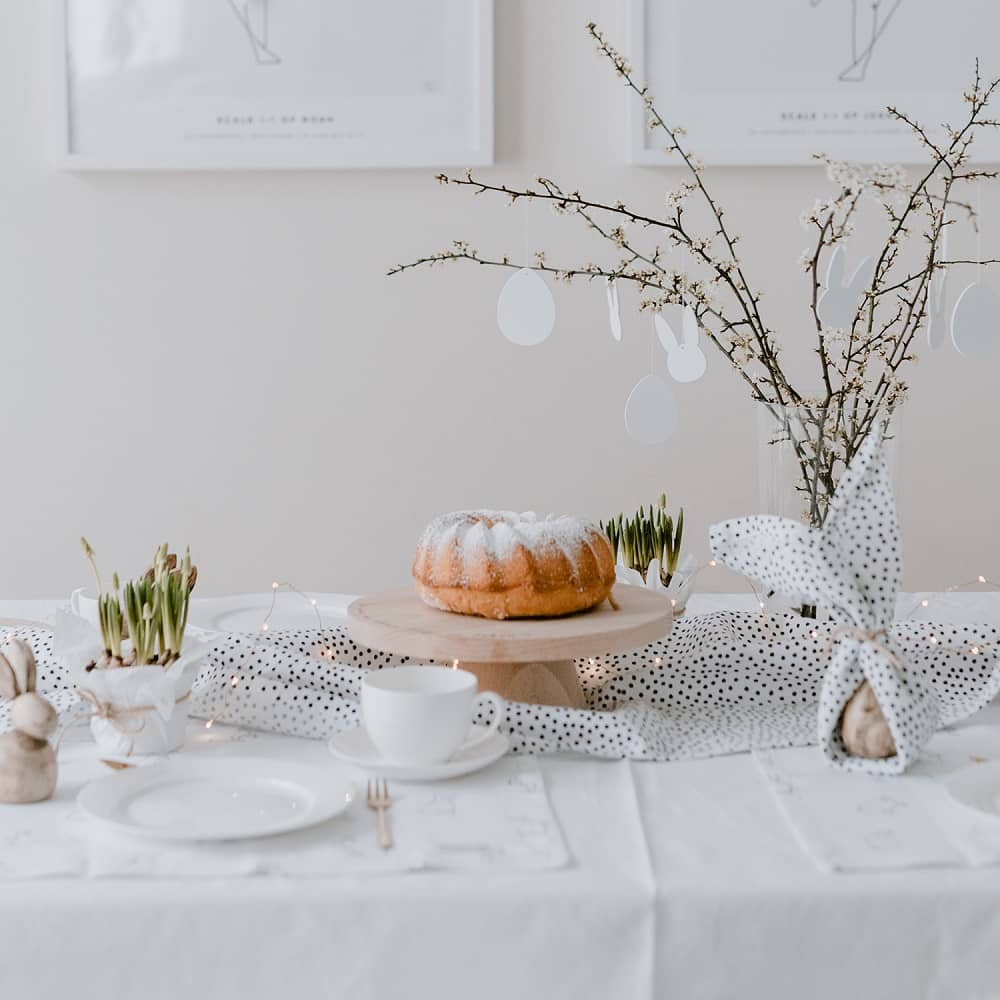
(378, 799)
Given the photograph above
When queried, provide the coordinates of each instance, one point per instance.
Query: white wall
(322, 412)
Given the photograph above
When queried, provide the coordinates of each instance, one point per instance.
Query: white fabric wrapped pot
(138, 710)
(141, 710)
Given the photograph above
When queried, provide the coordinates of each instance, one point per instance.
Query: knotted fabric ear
(852, 568)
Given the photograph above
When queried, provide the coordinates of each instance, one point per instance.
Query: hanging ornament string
(277, 586)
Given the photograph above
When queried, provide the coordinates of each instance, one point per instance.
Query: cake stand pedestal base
(552, 683)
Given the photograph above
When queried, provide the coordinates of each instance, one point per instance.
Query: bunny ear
(689, 328)
(22, 661)
(862, 278)
(8, 683)
(864, 507)
(780, 553)
(665, 334)
(835, 270)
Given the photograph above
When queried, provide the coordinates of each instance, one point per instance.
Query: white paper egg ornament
(685, 359)
(526, 310)
(651, 411)
(975, 321)
(840, 301)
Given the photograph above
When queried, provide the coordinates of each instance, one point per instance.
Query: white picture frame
(776, 83)
(107, 114)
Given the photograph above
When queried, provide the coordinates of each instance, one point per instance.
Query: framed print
(222, 84)
(774, 82)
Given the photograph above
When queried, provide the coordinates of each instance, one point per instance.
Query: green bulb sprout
(151, 611)
(648, 535)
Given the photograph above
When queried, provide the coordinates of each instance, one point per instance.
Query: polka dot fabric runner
(718, 684)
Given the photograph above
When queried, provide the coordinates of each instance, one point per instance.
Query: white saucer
(977, 787)
(353, 746)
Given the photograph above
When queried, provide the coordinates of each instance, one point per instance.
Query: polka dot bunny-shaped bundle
(718, 684)
(853, 567)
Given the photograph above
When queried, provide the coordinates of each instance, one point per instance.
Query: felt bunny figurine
(685, 360)
(839, 304)
(27, 760)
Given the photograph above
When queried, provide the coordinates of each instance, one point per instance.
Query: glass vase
(803, 452)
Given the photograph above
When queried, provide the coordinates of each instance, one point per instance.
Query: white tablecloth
(686, 882)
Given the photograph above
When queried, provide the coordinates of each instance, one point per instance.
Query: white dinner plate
(216, 798)
(247, 612)
(353, 746)
(977, 787)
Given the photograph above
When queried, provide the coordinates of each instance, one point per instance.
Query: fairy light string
(277, 586)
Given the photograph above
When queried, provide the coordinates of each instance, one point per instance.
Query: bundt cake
(500, 564)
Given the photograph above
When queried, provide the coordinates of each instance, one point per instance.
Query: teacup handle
(499, 712)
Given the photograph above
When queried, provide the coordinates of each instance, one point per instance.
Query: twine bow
(128, 720)
(874, 638)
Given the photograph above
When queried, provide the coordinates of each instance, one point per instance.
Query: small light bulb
(263, 627)
(814, 634)
(275, 585)
(982, 579)
(313, 602)
(924, 603)
(975, 650)
(454, 664)
(933, 639)
(658, 661)
(234, 680)
(208, 725)
(712, 562)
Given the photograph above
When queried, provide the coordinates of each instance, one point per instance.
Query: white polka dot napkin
(852, 567)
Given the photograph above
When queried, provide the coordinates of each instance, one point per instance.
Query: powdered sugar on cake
(499, 533)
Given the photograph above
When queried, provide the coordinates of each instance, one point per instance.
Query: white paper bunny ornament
(937, 319)
(685, 360)
(839, 303)
(852, 567)
(614, 314)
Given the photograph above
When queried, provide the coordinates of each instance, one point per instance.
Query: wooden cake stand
(522, 659)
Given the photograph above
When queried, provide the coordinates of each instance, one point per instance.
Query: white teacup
(423, 714)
